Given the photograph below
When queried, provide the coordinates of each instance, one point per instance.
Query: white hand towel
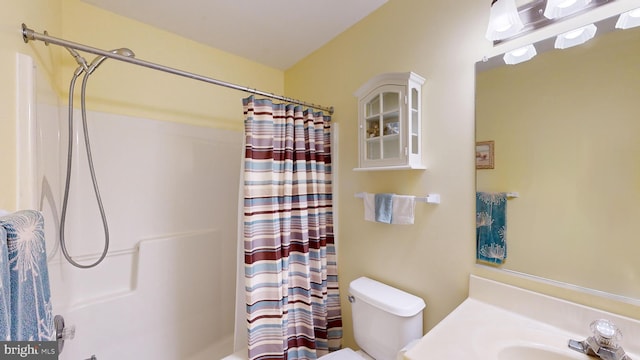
(402, 209)
(369, 207)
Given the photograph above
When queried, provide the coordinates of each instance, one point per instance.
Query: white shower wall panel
(154, 178)
(175, 310)
(167, 287)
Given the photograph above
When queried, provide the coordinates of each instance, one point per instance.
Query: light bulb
(519, 52)
(629, 19)
(566, 4)
(561, 8)
(574, 33)
(520, 55)
(504, 20)
(575, 37)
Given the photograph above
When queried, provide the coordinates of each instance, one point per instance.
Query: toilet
(386, 322)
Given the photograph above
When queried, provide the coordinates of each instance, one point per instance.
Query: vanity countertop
(499, 321)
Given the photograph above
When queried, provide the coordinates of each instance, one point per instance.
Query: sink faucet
(603, 343)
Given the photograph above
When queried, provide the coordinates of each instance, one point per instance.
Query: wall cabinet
(389, 121)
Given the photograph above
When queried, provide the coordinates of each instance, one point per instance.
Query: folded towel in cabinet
(403, 209)
(384, 207)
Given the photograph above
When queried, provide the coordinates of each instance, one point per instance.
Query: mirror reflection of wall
(566, 127)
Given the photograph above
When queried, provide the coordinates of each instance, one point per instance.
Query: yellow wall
(441, 41)
(134, 90)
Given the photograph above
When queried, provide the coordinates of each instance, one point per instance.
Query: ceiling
(276, 33)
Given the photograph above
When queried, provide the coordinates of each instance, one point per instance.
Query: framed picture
(484, 155)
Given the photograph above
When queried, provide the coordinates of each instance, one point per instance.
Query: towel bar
(429, 199)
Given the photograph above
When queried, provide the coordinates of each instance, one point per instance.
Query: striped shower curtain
(292, 297)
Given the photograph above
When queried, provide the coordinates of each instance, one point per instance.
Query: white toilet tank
(385, 319)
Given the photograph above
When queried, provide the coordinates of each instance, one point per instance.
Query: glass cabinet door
(382, 126)
(389, 122)
(415, 122)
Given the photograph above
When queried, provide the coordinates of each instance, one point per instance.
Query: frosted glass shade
(575, 37)
(560, 8)
(629, 19)
(504, 20)
(520, 55)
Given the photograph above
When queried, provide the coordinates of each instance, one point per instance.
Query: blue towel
(491, 227)
(25, 298)
(5, 288)
(384, 207)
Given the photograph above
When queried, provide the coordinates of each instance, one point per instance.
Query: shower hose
(65, 201)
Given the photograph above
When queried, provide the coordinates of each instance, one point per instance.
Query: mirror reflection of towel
(491, 227)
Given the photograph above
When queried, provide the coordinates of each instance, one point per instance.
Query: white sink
(503, 322)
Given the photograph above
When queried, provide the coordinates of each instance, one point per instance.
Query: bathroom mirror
(566, 133)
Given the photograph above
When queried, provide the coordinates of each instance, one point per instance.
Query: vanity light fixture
(629, 19)
(536, 14)
(519, 55)
(560, 8)
(575, 37)
(504, 20)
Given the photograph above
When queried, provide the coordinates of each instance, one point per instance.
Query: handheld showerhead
(87, 69)
(80, 60)
(98, 60)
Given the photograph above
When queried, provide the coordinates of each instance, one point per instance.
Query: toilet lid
(344, 354)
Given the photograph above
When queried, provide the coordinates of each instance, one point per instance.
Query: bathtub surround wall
(168, 190)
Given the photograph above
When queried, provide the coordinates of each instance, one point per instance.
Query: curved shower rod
(29, 34)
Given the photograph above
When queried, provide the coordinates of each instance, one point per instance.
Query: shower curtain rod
(29, 34)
